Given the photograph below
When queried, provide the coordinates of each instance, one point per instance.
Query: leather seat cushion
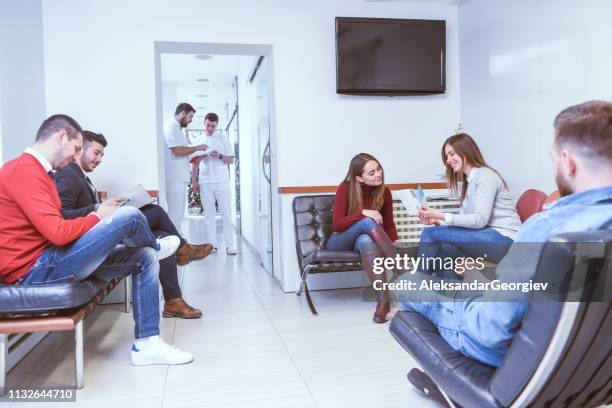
(47, 297)
(465, 380)
(332, 256)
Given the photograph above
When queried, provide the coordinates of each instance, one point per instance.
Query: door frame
(266, 50)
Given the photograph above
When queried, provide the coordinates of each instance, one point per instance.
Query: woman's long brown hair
(355, 192)
(468, 150)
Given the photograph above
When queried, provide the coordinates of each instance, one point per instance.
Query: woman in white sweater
(487, 222)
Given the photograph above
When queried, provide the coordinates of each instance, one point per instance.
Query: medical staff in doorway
(178, 152)
(214, 185)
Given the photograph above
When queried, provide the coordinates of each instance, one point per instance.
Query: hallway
(255, 346)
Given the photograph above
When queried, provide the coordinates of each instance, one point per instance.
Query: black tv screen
(383, 56)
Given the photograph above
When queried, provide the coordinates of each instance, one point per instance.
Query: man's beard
(563, 185)
(88, 168)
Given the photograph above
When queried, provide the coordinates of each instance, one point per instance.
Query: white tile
(389, 396)
(224, 400)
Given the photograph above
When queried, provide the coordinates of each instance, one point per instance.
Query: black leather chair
(560, 357)
(313, 226)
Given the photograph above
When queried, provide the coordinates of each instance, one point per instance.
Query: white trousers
(176, 196)
(209, 192)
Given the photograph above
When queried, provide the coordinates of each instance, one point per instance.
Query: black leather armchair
(560, 357)
(313, 226)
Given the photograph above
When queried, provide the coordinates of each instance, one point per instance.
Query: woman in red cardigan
(363, 221)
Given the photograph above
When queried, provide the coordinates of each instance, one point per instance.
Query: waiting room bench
(29, 309)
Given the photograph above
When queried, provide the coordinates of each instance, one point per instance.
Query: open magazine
(137, 197)
(412, 199)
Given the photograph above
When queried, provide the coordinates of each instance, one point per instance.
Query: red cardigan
(30, 218)
(343, 220)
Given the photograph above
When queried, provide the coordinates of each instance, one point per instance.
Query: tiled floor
(255, 346)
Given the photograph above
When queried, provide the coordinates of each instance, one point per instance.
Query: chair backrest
(530, 202)
(312, 217)
(561, 355)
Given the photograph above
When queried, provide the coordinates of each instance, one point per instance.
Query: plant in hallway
(194, 200)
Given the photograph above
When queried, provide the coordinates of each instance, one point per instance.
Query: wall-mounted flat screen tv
(382, 56)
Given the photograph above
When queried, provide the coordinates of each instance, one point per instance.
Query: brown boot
(179, 308)
(382, 240)
(382, 299)
(188, 252)
(383, 307)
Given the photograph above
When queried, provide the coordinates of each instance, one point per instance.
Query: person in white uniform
(214, 183)
(178, 153)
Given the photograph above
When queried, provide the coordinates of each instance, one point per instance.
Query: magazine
(137, 197)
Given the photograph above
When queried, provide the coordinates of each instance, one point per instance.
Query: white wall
(100, 68)
(22, 89)
(169, 99)
(249, 169)
(521, 63)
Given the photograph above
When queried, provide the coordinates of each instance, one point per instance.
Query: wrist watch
(220, 156)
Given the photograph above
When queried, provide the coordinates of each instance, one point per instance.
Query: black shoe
(423, 383)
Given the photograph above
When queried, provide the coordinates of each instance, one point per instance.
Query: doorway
(234, 81)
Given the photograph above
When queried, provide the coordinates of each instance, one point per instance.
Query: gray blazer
(487, 203)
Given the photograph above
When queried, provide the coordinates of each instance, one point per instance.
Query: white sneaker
(167, 246)
(231, 250)
(154, 351)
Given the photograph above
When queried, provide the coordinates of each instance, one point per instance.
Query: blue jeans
(450, 318)
(355, 238)
(454, 242)
(119, 245)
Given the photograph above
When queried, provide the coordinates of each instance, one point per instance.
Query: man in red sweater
(37, 245)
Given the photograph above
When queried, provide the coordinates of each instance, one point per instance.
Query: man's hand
(108, 206)
(187, 150)
(114, 200)
(197, 159)
(215, 154)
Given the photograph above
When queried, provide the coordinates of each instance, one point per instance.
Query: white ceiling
(184, 70)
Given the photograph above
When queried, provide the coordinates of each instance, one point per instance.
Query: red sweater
(30, 218)
(342, 219)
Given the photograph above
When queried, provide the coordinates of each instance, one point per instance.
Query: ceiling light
(202, 96)
(203, 57)
(201, 107)
(203, 80)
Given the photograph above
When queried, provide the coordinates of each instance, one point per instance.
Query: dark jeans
(119, 245)
(162, 226)
(159, 220)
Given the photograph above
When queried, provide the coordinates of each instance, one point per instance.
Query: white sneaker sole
(135, 362)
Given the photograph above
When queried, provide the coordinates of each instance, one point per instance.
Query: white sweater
(487, 203)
